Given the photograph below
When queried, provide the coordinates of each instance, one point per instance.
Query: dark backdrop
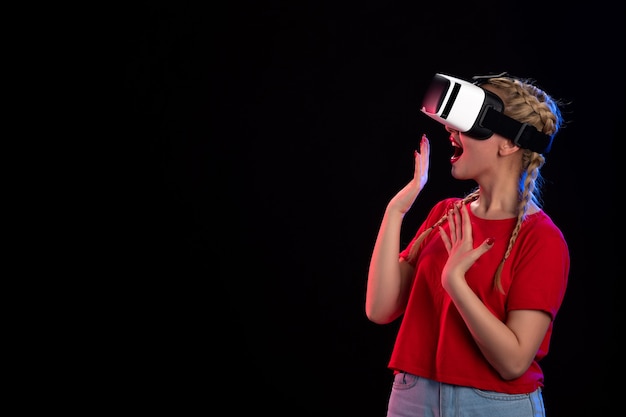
(271, 136)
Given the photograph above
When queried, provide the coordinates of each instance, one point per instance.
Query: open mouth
(458, 150)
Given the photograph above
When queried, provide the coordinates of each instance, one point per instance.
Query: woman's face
(475, 159)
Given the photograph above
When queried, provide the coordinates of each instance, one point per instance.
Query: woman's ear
(507, 147)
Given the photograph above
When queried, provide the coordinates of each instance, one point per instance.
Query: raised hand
(405, 198)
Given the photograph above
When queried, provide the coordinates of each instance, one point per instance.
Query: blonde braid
(533, 161)
(528, 104)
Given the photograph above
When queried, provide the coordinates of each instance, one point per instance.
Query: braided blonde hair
(526, 103)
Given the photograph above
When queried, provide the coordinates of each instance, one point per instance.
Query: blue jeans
(413, 396)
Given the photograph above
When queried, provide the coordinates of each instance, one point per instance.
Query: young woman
(480, 284)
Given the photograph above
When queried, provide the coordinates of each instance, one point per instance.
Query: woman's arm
(389, 278)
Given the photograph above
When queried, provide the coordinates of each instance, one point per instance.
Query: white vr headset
(468, 108)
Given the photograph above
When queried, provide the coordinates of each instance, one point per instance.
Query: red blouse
(433, 340)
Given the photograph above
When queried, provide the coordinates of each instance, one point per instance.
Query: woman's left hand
(460, 246)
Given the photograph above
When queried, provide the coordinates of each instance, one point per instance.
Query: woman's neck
(498, 209)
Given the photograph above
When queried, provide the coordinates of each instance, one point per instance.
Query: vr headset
(478, 113)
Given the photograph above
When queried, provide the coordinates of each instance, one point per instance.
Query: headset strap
(522, 134)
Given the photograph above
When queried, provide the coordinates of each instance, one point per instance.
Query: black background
(271, 135)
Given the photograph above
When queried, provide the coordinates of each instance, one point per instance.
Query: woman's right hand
(404, 199)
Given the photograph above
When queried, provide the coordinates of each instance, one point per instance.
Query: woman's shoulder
(442, 206)
(446, 203)
(539, 225)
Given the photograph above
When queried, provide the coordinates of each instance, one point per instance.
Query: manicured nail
(490, 241)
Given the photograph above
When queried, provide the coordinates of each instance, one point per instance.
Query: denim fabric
(413, 396)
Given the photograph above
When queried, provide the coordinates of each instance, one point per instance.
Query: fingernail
(490, 241)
